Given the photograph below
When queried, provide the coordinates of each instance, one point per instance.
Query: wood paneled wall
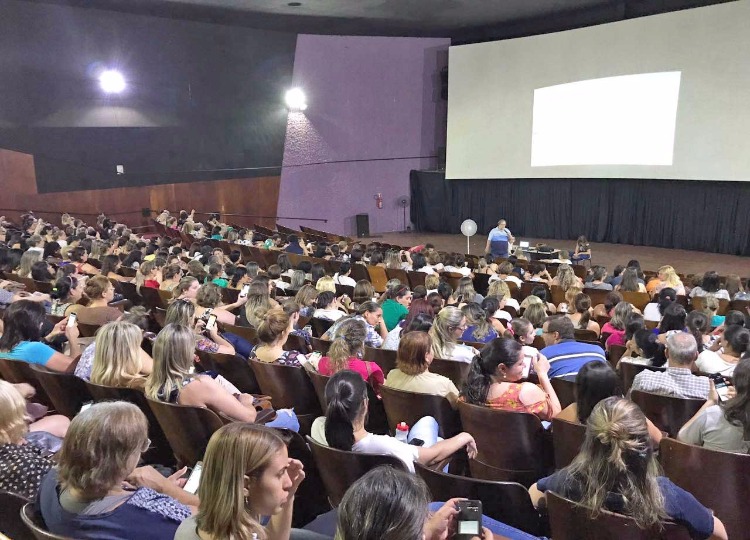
(249, 196)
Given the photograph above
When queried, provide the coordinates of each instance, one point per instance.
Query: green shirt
(393, 313)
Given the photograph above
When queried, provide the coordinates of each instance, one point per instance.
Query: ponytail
(477, 383)
(484, 366)
(345, 393)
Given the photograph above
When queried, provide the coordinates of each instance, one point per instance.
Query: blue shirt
(679, 505)
(468, 335)
(499, 239)
(567, 357)
(33, 352)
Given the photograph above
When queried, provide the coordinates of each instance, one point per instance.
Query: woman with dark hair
(630, 281)
(581, 313)
(412, 369)
(582, 251)
(616, 325)
(540, 291)
(607, 308)
(343, 277)
(616, 470)
(655, 310)
(42, 271)
(711, 284)
(52, 249)
(65, 296)
(698, 324)
(672, 321)
(396, 306)
(644, 348)
(328, 307)
(22, 338)
(723, 423)
(110, 265)
(317, 271)
(134, 259)
(493, 381)
(343, 427)
(418, 307)
(735, 341)
(79, 256)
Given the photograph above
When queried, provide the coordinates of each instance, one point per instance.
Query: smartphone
(245, 291)
(721, 385)
(469, 519)
(211, 323)
(194, 480)
(72, 320)
(314, 356)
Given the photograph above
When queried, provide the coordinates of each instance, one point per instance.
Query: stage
(609, 255)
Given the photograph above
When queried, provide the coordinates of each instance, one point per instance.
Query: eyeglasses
(146, 446)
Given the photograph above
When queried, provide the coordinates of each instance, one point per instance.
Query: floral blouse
(510, 401)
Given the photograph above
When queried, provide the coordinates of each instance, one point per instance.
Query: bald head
(682, 349)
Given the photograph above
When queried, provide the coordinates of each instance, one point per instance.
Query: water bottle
(402, 431)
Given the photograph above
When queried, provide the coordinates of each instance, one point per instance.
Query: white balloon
(469, 227)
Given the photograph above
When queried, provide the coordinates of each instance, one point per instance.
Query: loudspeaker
(146, 212)
(363, 225)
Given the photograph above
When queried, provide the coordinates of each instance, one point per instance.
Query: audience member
(566, 355)
(735, 341)
(273, 333)
(447, 329)
(479, 327)
(345, 353)
(100, 292)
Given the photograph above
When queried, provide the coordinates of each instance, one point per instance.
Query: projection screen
(666, 96)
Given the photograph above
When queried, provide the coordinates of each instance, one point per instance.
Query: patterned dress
(510, 401)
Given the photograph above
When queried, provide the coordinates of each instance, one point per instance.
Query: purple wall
(374, 113)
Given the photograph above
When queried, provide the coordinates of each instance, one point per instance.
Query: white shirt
(502, 315)
(512, 302)
(344, 280)
(426, 270)
(328, 314)
(464, 271)
(651, 312)
(459, 352)
(392, 340)
(710, 362)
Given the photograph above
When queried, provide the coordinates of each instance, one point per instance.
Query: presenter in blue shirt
(499, 240)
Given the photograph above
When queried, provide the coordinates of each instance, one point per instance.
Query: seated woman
(183, 312)
(396, 305)
(536, 315)
(711, 284)
(568, 305)
(672, 321)
(538, 272)
(418, 307)
(522, 331)
(65, 295)
(493, 381)
(582, 250)
(615, 327)
(735, 289)
(700, 326)
(565, 278)
(325, 283)
(148, 276)
(668, 278)
(22, 338)
(710, 308)
(186, 289)
(116, 357)
(616, 470)
(447, 329)
(110, 265)
(257, 302)
(496, 315)
(597, 281)
(644, 348)
(84, 497)
(654, 311)
(735, 341)
(412, 369)
(172, 275)
(42, 271)
(581, 313)
(501, 290)
(328, 307)
(597, 381)
(540, 292)
(24, 447)
(630, 282)
(247, 474)
(343, 427)
(305, 299)
(347, 348)
(78, 257)
(273, 333)
(723, 424)
(479, 327)
(608, 307)
(465, 292)
(98, 312)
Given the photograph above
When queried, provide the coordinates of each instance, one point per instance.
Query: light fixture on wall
(295, 99)
(112, 82)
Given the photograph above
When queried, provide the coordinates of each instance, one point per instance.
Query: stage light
(295, 100)
(112, 82)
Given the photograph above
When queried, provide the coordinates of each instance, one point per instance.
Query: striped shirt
(567, 357)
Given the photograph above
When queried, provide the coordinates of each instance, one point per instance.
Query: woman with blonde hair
(326, 283)
(84, 496)
(247, 474)
(27, 261)
(479, 327)
(566, 278)
(183, 312)
(208, 301)
(186, 289)
(148, 275)
(570, 295)
(347, 348)
(616, 470)
(306, 297)
(258, 302)
(535, 314)
(501, 290)
(23, 459)
(119, 360)
(669, 278)
(447, 329)
(100, 293)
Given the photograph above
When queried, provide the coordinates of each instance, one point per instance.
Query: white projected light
(626, 120)
(296, 99)
(112, 82)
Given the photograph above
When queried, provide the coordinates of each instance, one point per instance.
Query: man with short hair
(499, 240)
(566, 355)
(677, 380)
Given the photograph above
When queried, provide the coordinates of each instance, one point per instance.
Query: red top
(370, 371)
(151, 283)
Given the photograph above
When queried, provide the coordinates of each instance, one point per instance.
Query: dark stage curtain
(679, 214)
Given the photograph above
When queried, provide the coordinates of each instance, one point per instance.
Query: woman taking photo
(22, 337)
(616, 470)
(723, 424)
(493, 381)
(735, 341)
(343, 427)
(328, 307)
(449, 326)
(98, 312)
(110, 265)
(84, 497)
(347, 348)
(412, 369)
(247, 474)
(183, 312)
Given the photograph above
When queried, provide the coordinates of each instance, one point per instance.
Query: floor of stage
(609, 255)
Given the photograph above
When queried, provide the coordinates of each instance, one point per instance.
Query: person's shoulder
(157, 503)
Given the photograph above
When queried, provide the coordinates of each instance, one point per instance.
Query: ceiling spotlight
(295, 100)
(112, 82)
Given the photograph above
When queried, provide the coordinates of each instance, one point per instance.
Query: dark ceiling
(462, 20)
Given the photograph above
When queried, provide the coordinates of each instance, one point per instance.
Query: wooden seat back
(339, 469)
(567, 438)
(66, 391)
(11, 524)
(667, 413)
(409, 407)
(233, 368)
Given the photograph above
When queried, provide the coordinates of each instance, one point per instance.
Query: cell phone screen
(468, 527)
(191, 486)
(245, 290)
(72, 320)
(211, 322)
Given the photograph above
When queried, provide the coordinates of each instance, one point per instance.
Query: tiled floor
(609, 255)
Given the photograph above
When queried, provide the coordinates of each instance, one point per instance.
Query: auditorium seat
(11, 524)
(567, 438)
(402, 406)
(233, 368)
(565, 390)
(667, 413)
(455, 371)
(378, 278)
(66, 391)
(385, 358)
(614, 354)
